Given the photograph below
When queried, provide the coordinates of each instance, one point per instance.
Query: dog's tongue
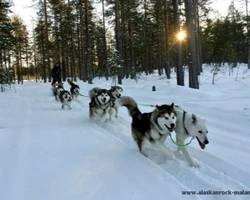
(201, 144)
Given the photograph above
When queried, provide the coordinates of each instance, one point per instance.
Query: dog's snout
(172, 125)
(206, 142)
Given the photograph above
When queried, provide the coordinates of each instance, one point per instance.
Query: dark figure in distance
(56, 74)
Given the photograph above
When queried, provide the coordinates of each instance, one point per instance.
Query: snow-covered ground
(47, 153)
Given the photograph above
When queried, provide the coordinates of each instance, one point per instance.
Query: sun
(181, 35)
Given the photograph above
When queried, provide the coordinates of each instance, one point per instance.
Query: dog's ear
(157, 107)
(172, 105)
(194, 118)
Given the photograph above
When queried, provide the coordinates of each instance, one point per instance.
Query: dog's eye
(166, 117)
(207, 132)
(200, 131)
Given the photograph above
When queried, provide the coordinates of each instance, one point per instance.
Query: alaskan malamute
(65, 98)
(114, 92)
(74, 89)
(100, 105)
(153, 127)
(57, 91)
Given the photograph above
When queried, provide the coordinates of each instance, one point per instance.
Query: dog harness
(182, 145)
(183, 118)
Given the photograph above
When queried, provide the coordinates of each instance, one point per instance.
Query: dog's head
(116, 91)
(102, 96)
(166, 117)
(76, 90)
(197, 128)
(59, 89)
(65, 95)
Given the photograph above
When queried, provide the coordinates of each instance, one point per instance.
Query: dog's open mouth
(200, 143)
(104, 100)
(170, 129)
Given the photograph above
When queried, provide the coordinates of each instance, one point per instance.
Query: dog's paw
(144, 154)
(194, 164)
(170, 155)
(104, 118)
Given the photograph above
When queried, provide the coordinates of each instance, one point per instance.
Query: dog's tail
(93, 92)
(130, 104)
(70, 81)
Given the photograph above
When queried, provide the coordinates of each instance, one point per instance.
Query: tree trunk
(89, 48)
(197, 38)
(83, 73)
(166, 45)
(105, 43)
(248, 36)
(131, 45)
(179, 65)
(192, 61)
(47, 53)
(118, 40)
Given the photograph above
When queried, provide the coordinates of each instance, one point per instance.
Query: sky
(28, 14)
(48, 153)
(23, 8)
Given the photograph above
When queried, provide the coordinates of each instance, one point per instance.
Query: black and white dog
(114, 92)
(74, 89)
(65, 98)
(100, 105)
(57, 91)
(153, 127)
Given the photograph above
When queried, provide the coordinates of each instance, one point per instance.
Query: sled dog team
(152, 127)
(65, 96)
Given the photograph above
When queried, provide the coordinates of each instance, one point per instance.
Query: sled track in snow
(210, 176)
(206, 177)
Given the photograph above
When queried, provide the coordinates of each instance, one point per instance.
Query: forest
(128, 38)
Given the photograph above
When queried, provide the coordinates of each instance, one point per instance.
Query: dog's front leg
(111, 111)
(184, 150)
(91, 113)
(116, 111)
(104, 116)
(142, 146)
(164, 148)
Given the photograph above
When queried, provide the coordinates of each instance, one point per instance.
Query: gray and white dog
(190, 125)
(114, 92)
(153, 127)
(100, 105)
(65, 98)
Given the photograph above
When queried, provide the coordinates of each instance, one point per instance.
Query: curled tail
(69, 81)
(93, 92)
(130, 104)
